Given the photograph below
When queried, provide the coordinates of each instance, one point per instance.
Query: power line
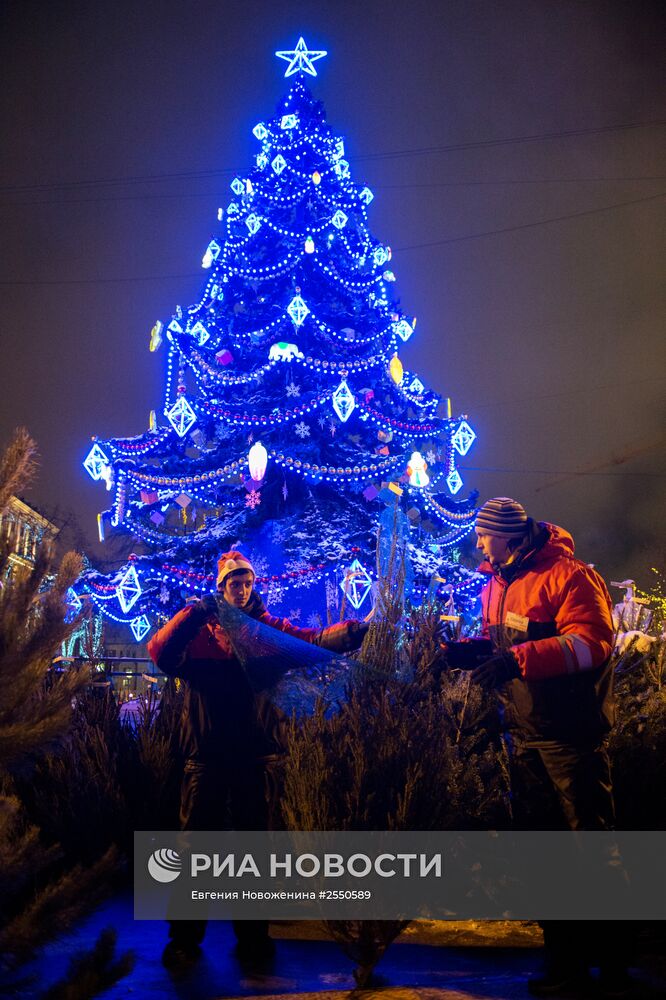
(529, 225)
(489, 143)
(102, 281)
(521, 180)
(555, 472)
(474, 408)
(596, 470)
(101, 199)
(413, 246)
(368, 157)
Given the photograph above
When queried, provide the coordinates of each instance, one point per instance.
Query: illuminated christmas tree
(289, 424)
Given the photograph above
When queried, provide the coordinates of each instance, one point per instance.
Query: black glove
(357, 632)
(206, 607)
(343, 637)
(495, 671)
(467, 655)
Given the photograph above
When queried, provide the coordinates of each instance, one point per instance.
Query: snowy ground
(433, 960)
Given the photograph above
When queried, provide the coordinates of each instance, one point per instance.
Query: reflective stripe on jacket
(553, 613)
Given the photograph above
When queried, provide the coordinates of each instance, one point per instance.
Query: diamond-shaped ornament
(356, 584)
(288, 121)
(260, 131)
(342, 169)
(211, 254)
(140, 627)
(366, 195)
(73, 604)
(403, 329)
(464, 438)
(453, 481)
(201, 333)
(416, 386)
(279, 163)
(237, 186)
(253, 222)
(339, 220)
(128, 590)
(181, 416)
(380, 256)
(96, 463)
(298, 310)
(344, 403)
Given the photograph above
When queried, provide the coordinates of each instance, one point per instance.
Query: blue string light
(296, 291)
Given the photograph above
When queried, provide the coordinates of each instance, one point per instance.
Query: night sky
(517, 151)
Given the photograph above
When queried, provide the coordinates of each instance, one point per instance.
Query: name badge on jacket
(519, 622)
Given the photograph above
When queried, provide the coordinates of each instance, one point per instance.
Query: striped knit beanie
(503, 518)
(232, 562)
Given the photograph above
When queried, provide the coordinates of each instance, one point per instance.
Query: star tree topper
(300, 59)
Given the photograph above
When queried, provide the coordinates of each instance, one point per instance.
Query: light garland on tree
(292, 272)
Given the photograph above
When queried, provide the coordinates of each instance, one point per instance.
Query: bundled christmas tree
(411, 747)
(289, 419)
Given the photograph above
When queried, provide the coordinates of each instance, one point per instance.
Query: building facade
(26, 528)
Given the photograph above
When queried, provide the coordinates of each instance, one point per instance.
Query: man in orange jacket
(227, 731)
(548, 616)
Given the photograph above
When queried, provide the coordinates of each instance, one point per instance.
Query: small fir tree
(409, 748)
(39, 896)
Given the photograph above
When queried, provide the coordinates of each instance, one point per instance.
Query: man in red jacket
(548, 616)
(226, 730)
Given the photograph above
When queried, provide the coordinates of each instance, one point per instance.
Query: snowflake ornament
(253, 499)
(331, 595)
(260, 563)
(293, 389)
(302, 430)
(275, 592)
